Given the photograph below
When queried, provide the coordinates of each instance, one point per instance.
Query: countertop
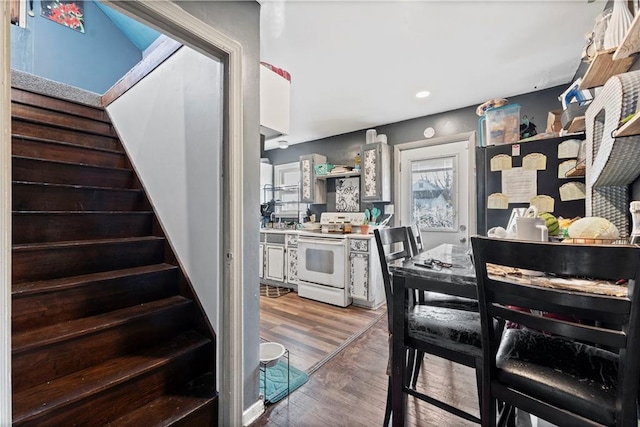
(318, 234)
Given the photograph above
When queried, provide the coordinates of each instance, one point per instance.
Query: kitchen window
(286, 192)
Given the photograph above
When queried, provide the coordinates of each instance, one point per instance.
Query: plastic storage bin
(502, 125)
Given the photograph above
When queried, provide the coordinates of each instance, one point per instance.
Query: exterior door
(437, 192)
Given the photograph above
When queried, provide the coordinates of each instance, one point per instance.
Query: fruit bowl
(311, 225)
(270, 353)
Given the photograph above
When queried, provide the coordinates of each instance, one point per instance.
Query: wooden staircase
(105, 326)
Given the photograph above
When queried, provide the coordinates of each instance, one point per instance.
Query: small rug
(277, 381)
(273, 291)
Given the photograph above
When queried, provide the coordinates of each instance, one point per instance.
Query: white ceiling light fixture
(283, 144)
(423, 94)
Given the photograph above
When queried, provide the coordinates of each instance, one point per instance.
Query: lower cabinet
(261, 256)
(274, 265)
(365, 276)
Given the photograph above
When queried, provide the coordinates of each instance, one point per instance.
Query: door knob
(463, 240)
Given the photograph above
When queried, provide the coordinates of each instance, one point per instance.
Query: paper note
(500, 162)
(519, 184)
(565, 167)
(569, 149)
(497, 201)
(534, 161)
(515, 150)
(544, 203)
(573, 191)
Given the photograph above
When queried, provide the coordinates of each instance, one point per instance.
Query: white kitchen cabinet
(261, 252)
(312, 190)
(376, 173)
(292, 258)
(275, 100)
(365, 275)
(275, 263)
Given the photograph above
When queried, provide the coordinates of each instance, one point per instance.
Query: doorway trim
(174, 21)
(471, 141)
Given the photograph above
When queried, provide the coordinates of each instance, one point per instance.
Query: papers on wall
(569, 149)
(573, 191)
(500, 162)
(534, 161)
(497, 201)
(519, 184)
(565, 167)
(544, 203)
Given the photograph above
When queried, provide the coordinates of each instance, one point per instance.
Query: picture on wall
(68, 13)
(348, 195)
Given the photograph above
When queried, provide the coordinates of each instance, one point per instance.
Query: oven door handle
(321, 242)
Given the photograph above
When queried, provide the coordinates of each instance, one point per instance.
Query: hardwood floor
(312, 331)
(351, 388)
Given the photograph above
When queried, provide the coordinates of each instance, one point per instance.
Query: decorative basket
(323, 168)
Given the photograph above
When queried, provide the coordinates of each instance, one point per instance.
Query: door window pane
(433, 194)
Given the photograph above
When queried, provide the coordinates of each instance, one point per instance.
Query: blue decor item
(276, 385)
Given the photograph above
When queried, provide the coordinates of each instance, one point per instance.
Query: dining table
(449, 269)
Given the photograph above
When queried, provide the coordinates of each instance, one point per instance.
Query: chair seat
(457, 330)
(436, 299)
(570, 375)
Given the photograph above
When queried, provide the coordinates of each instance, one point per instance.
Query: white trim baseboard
(252, 413)
(5, 217)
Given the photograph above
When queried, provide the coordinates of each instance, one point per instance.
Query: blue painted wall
(93, 61)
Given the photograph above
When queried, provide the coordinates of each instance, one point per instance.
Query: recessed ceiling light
(283, 144)
(423, 94)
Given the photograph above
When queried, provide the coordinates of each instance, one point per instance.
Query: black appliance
(489, 182)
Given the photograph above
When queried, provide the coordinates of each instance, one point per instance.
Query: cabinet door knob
(463, 240)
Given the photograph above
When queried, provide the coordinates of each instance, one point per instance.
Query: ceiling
(358, 64)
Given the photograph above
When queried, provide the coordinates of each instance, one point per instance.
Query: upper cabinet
(312, 190)
(275, 95)
(376, 173)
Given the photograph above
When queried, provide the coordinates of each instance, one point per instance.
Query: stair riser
(207, 415)
(19, 127)
(117, 400)
(50, 362)
(36, 228)
(35, 311)
(33, 197)
(62, 120)
(51, 263)
(37, 100)
(30, 170)
(66, 153)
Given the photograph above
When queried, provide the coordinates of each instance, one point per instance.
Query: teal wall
(93, 60)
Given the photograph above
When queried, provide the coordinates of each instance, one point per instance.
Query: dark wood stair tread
(67, 330)
(27, 97)
(173, 406)
(43, 286)
(77, 243)
(62, 120)
(45, 162)
(32, 403)
(77, 187)
(62, 143)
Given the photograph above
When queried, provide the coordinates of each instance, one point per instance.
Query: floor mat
(273, 291)
(276, 377)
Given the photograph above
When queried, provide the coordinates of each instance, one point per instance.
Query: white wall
(171, 125)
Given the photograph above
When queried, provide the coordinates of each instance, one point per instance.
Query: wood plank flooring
(351, 388)
(312, 331)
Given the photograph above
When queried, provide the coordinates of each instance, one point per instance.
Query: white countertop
(318, 234)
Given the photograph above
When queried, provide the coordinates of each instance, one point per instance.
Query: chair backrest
(393, 244)
(415, 239)
(618, 330)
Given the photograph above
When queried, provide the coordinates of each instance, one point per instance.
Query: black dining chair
(435, 299)
(574, 358)
(445, 332)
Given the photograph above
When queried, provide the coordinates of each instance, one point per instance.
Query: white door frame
(188, 29)
(397, 149)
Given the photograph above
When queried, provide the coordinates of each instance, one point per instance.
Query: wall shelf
(631, 42)
(339, 175)
(631, 128)
(603, 67)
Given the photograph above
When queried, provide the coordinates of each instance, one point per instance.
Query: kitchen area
(316, 235)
